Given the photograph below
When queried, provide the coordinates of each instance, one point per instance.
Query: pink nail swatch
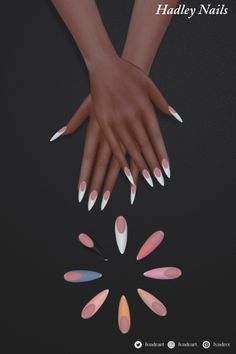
(152, 302)
(163, 273)
(150, 244)
(94, 304)
(86, 240)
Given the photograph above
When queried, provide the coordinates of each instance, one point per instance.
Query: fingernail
(157, 173)
(152, 302)
(82, 190)
(80, 276)
(58, 133)
(150, 245)
(175, 114)
(121, 233)
(94, 304)
(166, 167)
(163, 273)
(92, 199)
(105, 198)
(128, 175)
(133, 189)
(124, 321)
(148, 178)
(92, 245)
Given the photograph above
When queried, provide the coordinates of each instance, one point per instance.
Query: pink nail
(163, 273)
(166, 167)
(157, 173)
(92, 199)
(94, 304)
(129, 175)
(147, 177)
(152, 302)
(86, 240)
(150, 245)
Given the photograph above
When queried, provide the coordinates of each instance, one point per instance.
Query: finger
(78, 118)
(158, 144)
(148, 151)
(89, 155)
(117, 151)
(159, 100)
(102, 161)
(134, 152)
(133, 188)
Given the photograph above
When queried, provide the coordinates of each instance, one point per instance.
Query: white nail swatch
(121, 233)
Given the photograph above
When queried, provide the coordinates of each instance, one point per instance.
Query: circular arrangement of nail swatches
(90, 244)
(161, 273)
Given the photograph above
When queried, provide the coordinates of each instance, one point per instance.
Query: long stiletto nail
(105, 198)
(152, 302)
(92, 245)
(163, 273)
(124, 321)
(81, 276)
(121, 233)
(133, 189)
(94, 304)
(159, 177)
(82, 190)
(58, 133)
(175, 114)
(150, 244)
(128, 175)
(166, 167)
(92, 199)
(148, 178)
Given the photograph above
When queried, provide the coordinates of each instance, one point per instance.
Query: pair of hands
(122, 120)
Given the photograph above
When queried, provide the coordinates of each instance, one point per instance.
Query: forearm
(84, 22)
(145, 33)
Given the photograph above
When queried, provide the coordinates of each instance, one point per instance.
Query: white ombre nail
(147, 177)
(58, 134)
(158, 175)
(175, 114)
(92, 199)
(82, 190)
(133, 189)
(105, 198)
(166, 167)
(129, 175)
(121, 233)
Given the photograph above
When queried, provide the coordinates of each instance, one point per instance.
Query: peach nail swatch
(94, 304)
(124, 320)
(150, 244)
(152, 302)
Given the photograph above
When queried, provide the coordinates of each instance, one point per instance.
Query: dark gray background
(44, 81)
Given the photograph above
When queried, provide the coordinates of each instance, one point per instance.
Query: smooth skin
(122, 116)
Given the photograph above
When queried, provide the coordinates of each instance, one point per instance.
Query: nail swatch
(175, 114)
(128, 175)
(91, 245)
(166, 167)
(150, 244)
(133, 190)
(163, 273)
(105, 198)
(94, 304)
(92, 199)
(81, 276)
(124, 321)
(82, 190)
(147, 177)
(152, 302)
(58, 133)
(121, 232)
(159, 177)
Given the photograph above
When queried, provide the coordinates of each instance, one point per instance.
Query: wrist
(133, 56)
(101, 59)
